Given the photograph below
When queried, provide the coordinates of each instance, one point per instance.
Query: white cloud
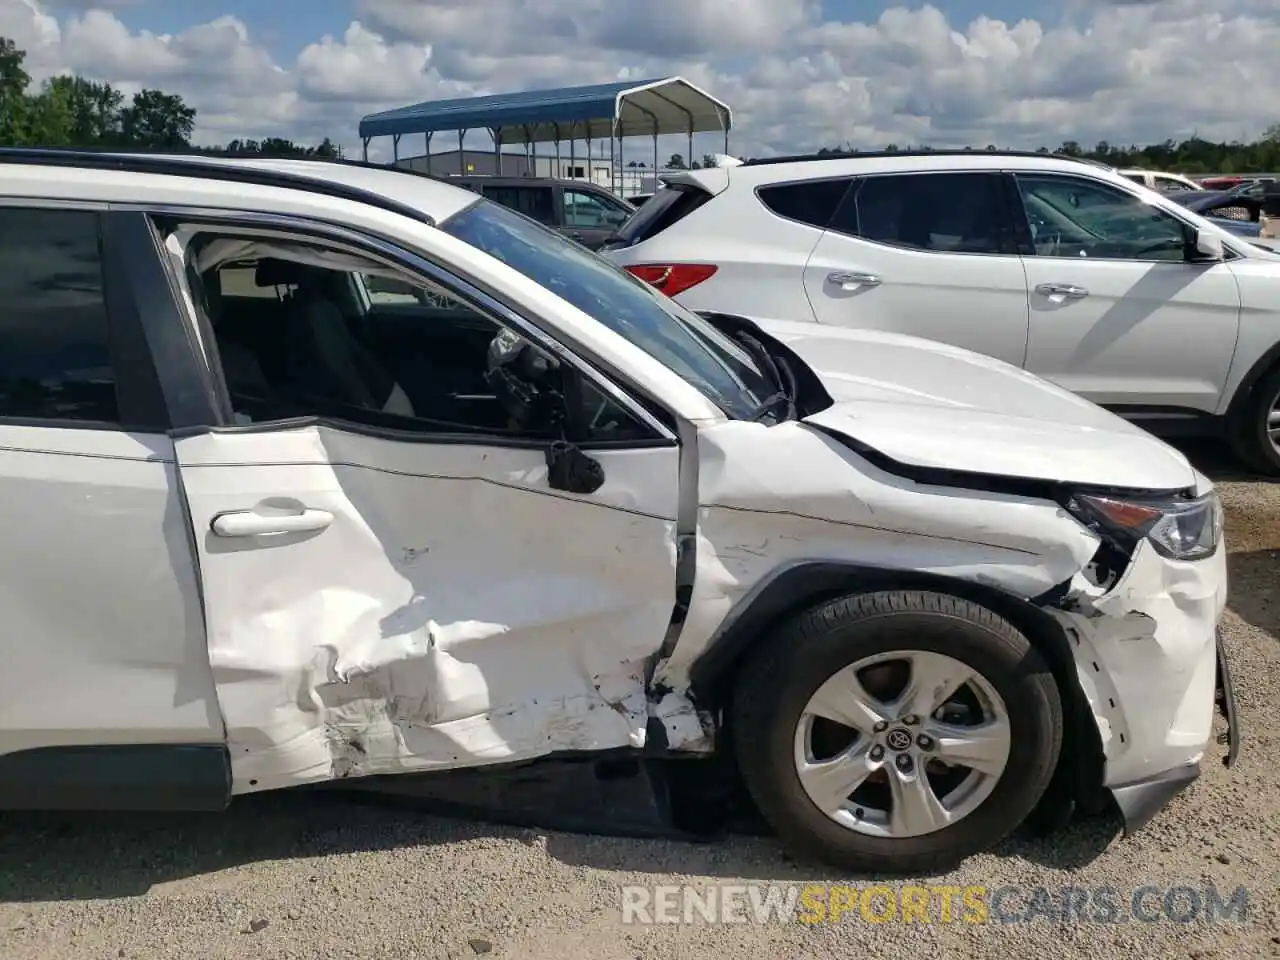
(1121, 70)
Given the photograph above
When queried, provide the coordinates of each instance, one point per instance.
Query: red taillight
(672, 278)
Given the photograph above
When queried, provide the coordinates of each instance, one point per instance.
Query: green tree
(1195, 155)
(70, 111)
(14, 81)
(94, 110)
(157, 120)
(676, 162)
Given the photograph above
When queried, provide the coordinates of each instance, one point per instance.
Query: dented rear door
(377, 605)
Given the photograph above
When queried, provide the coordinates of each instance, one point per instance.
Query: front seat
(325, 359)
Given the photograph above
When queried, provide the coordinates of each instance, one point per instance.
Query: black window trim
(1005, 224)
(853, 180)
(140, 406)
(390, 251)
(1015, 194)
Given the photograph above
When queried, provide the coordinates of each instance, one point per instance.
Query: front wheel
(896, 732)
(1255, 432)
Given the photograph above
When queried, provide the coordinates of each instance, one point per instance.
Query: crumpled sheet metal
(1146, 660)
(450, 638)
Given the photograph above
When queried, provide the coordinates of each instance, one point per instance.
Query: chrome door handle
(247, 523)
(851, 281)
(1068, 291)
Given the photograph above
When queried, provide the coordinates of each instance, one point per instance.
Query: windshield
(676, 337)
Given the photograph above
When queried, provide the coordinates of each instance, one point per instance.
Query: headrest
(279, 273)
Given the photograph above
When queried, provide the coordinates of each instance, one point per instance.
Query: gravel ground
(307, 878)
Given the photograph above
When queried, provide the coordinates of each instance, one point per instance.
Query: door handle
(1068, 291)
(851, 281)
(247, 523)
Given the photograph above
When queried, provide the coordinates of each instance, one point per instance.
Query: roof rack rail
(203, 166)
(881, 154)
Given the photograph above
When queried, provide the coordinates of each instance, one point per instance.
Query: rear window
(811, 201)
(537, 203)
(672, 203)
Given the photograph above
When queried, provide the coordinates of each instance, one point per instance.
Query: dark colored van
(582, 211)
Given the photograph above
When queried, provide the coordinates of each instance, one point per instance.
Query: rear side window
(534, 202)
(940, 212)
(813, 201)
(56, 363)
(668, 206)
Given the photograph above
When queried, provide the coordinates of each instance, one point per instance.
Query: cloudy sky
(797, 73)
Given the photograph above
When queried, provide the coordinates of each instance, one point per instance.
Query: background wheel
(1255, 434)
(896, 732)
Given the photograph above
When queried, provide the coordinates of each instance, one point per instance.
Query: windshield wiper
(775, 405)
(781, 404)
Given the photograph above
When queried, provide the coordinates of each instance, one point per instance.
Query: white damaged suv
(323, 472)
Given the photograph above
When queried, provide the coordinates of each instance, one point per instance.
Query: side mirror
(569, 467)
(572, 470)
(1208, 247)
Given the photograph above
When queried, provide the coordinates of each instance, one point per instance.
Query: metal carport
(661, 107)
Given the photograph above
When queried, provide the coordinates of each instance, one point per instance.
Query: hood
(928, 404)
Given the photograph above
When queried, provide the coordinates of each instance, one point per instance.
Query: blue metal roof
(543, 108)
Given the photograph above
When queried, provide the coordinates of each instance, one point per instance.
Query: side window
(534, 202)
(939, 212)
(813, 201)
(56, 363)
(584, 209)
(1074, 217)
(405, 356)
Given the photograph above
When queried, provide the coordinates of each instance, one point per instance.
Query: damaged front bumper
(1151, 665)
(1138, 802)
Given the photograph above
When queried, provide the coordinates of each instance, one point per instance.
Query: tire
(772, 689)
(1248, 432)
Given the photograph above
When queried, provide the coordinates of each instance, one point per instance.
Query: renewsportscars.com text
(974, 904)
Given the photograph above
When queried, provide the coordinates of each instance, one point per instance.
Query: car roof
(433, 196)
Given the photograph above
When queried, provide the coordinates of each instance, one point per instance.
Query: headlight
(1179, 529)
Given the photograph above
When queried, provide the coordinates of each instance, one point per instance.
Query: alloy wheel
(902, 744)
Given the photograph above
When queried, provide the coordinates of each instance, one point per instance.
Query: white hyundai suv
(267, 528)
(1062, 267)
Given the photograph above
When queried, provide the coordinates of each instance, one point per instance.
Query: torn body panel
(1146, 657)
(430, 621)
(767, 501)
(1143, 642)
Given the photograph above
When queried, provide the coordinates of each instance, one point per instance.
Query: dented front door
(379, 606)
